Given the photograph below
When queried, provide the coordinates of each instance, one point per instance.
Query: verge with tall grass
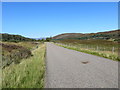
(28, 74)
(100, 48)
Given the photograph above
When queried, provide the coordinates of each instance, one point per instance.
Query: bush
(13, 53)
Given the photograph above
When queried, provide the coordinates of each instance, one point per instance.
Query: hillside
(114, 34)
(14, 38)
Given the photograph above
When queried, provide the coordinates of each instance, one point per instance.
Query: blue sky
(44, 19)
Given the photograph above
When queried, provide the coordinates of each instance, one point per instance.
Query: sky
(45, 19)
(60, 0)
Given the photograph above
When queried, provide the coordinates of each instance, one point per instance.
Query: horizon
(55, 35)
(48, 19)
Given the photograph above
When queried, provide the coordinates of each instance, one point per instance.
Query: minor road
(72, 69)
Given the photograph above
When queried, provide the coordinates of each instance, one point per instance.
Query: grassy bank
(15, 52)
(28, 74)
(101, 53)
(29, 45)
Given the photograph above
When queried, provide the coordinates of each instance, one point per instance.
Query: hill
(14, 38)
(114, 34)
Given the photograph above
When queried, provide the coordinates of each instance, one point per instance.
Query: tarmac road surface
(72, 69)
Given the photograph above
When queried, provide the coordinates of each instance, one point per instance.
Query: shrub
(13, 53)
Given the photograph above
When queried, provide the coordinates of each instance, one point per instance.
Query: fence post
(113, 49)
(97, 48)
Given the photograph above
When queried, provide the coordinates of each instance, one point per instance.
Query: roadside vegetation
(103, 48)
(22, 61)
(16, 47)
(15, 52)
(29, 73)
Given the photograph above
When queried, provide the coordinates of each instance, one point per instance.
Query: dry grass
(28, 74)
(107, 53)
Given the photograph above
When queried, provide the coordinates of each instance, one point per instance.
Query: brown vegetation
(13, 53)
(114, 34)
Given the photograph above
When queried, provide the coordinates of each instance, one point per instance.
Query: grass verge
(114, 57)
(28, 74)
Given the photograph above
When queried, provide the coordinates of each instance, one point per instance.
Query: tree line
(19, 38)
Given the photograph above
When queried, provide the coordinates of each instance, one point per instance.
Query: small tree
(42, 40)
(48, 39)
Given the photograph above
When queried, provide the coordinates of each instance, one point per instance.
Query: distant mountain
(14, 38)
(39, 38)
(114, 34)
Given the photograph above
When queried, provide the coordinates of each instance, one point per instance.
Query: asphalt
(67, 68)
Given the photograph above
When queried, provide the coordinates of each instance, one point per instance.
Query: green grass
(104, 54)
(28, 74)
